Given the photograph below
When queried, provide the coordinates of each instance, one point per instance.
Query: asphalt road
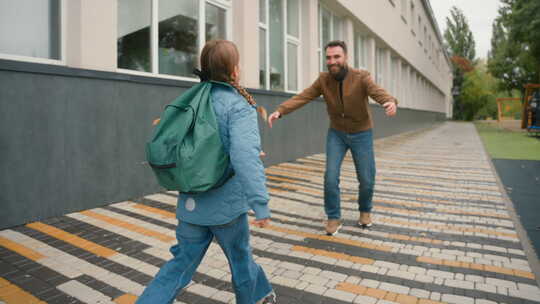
(521, 178)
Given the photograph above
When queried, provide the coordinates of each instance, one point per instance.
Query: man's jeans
(249, 281)
(361, 146)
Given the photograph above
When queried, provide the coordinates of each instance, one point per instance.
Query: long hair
(219, 58)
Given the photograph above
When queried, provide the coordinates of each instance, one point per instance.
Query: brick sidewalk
(443, 234)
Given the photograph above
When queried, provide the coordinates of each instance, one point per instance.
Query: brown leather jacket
(349, 113)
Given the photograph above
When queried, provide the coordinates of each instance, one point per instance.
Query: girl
(221, 213)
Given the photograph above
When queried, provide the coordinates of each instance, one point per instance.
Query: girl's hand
(261, 223)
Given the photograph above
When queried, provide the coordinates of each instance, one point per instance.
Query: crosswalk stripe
(11, 293)
(73, 239)
(129, 226)
(20, 249)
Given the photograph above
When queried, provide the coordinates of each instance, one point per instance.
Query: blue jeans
(249, 281)
(361, 146)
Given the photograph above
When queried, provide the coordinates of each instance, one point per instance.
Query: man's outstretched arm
(381, 96)
(297, 101)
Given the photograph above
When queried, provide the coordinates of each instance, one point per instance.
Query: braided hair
(219, 59)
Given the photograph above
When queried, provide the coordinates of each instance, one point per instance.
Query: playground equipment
(530, 119)
(506, 108)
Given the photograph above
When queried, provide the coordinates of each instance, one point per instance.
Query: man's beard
(337, 73)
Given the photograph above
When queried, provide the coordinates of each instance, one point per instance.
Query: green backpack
(186, 152)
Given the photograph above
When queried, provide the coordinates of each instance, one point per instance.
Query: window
(330, 28)
(404, 84)
(279, 44)
(379, 66)
(166, 36)
(394, 75)
(412, 15)
(293, 43)
(360, 51)
(404, 9)
(419, 26)
(425, 38)
(38, 26)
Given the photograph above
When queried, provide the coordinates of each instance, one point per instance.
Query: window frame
(292, 40)
(286, 39)
(321, 46)
(362, 60)
(154, 34)
(412, 12)
(380, 65)
(404, 10)
(63, 32)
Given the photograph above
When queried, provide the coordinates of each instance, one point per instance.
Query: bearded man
(345, 91)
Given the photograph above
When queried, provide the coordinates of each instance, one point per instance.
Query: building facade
(80, 82)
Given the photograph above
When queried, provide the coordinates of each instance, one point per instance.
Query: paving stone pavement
(442, 234)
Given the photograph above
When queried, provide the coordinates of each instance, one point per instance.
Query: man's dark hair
(335, 43)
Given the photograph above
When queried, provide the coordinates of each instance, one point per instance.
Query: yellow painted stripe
(413, 239)
(125, 299)
(406, 204)
(20, 249)
(391, 236)
(331, 239)
(276, 191)
(300, 168)
(161, 212)
(135, 228)
(382, 294)
(490, 214)
(277, 171)
(335, 255)
(389, 209)
(281, 179)
(407, 181)
(73, 239)
(10, 293)
(448, 227)
(481, 267)
(300, 188)
(399, 203)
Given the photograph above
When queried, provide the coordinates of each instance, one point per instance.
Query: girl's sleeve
(244, 155)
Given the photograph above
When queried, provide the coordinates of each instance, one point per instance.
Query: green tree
(524, 24)
(460, 46)
(458, 36)
(512, 58)
(478, 94)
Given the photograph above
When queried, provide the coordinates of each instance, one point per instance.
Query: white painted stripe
(135, 221)
(130, 206)
(163, 198)
(84, 293)
(122, 231)
(72, 267)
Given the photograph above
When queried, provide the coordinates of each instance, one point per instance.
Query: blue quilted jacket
(246, 190)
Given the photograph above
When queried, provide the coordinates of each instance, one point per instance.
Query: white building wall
(421, 80)
(91, 32)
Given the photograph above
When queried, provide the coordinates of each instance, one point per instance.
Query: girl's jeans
(249, 281)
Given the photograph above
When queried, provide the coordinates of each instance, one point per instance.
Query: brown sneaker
(364, 220)
(333, 226)
(269, 299)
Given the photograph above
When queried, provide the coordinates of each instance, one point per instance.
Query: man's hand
(390, 108)
(262, 222)
(272, 117)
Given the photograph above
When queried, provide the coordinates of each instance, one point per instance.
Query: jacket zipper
(340, 88)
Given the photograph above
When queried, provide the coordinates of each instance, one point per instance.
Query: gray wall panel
(73, 142)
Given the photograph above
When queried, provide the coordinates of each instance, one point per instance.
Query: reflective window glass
(38, 28)
(178, 37)
(133, 43)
